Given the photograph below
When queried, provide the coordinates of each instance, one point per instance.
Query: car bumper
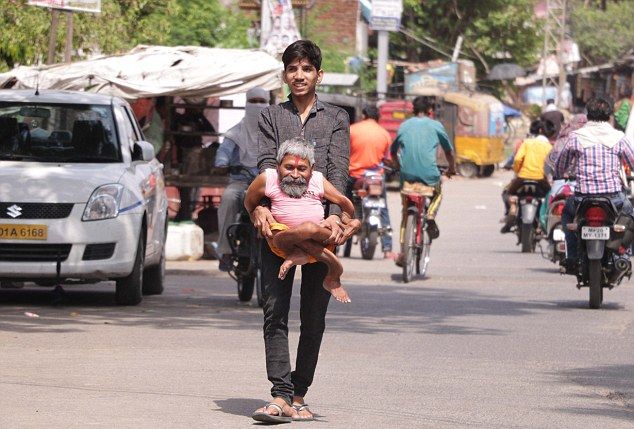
(122, 230)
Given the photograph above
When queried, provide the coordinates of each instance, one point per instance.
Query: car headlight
(103, 203)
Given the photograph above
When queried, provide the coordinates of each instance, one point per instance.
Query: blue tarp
(509, 111)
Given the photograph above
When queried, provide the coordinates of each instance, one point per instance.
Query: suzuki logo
(14, 211)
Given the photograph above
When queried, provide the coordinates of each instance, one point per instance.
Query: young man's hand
(333, 223)
(350, 228)
(262, 220)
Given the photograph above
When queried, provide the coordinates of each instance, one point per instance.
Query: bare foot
(333, 285)
(299, 258)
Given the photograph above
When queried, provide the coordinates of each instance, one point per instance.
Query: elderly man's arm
(260, 216)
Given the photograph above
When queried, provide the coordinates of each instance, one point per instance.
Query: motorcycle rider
(528, 164)
(414, 149)
(369, 147)
(238, 149)
(597, 150)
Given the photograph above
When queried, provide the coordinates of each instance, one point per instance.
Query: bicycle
(417, 243)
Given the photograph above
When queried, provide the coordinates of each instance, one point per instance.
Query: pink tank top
(293, 211)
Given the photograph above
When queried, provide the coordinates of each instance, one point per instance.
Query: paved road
(492, 339)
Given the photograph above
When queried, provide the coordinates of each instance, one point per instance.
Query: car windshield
(57, 133)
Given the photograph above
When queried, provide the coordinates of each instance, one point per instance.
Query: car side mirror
(143, 151)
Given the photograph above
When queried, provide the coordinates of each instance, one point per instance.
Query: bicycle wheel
(423, 255)
(409, 259)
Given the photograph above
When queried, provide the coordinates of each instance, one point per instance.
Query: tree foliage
(494, 31)
(121, 25)
(208, 23)
(602, 34)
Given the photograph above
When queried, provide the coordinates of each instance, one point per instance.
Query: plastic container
(184, 242)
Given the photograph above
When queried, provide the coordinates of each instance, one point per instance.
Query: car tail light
(595, 216)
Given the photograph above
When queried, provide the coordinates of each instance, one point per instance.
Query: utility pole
(52, 37)
(554, 37)
(381, 71)
(265, 22)
(68, 50)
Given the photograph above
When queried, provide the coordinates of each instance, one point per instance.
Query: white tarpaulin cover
(152, 71)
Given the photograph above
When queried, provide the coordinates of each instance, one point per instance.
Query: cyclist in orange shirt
(369, 147)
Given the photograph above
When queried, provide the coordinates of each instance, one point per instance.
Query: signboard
(283, 28)
(433, 80)
(76, 5)
(386, 15)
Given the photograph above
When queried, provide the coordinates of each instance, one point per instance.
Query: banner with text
(93, 6)
(386, 15)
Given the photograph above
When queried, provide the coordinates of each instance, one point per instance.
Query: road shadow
(583, 305)
(610, 388)
(239, 406)
(376, 308)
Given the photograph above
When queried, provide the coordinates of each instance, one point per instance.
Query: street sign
(386, 15)
(93, 6)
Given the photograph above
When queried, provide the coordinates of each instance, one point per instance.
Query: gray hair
(296, 146)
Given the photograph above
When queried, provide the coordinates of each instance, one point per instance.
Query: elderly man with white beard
(238, 155)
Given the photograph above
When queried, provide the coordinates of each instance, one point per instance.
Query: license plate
(23, 232)
(595, 233)
(374, 204)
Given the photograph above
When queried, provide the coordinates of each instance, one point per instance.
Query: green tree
(494, 31)
(121, 25)
(603, 30)
(208, 23)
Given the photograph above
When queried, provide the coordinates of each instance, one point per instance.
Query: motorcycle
(603, 235)
(246, 261)
(527, 226)
(556, 250)
(367, 198)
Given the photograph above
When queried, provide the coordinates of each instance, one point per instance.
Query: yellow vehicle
(475, 122)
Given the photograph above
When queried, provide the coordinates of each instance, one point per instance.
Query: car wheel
(154, 277)
(128, 290)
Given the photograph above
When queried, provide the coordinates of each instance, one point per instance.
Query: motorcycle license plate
(374, 204)
(595, 233)
(23, 232)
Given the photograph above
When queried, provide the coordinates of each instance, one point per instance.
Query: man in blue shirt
(415, 149)
(238, 154)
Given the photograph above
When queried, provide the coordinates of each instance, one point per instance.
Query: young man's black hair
(600, 109)
(302, 49)
(549, 129)
(423, 104)
(371, 111)
(535, 127)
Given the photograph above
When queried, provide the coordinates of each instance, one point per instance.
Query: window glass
(58, 133)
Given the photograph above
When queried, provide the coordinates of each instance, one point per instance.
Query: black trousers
(313, 306)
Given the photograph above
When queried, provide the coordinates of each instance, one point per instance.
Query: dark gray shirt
(327, 127)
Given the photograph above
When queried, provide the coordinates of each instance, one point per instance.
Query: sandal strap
(300, 407)
(274, 405)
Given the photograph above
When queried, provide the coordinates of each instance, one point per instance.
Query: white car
(82, 197)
